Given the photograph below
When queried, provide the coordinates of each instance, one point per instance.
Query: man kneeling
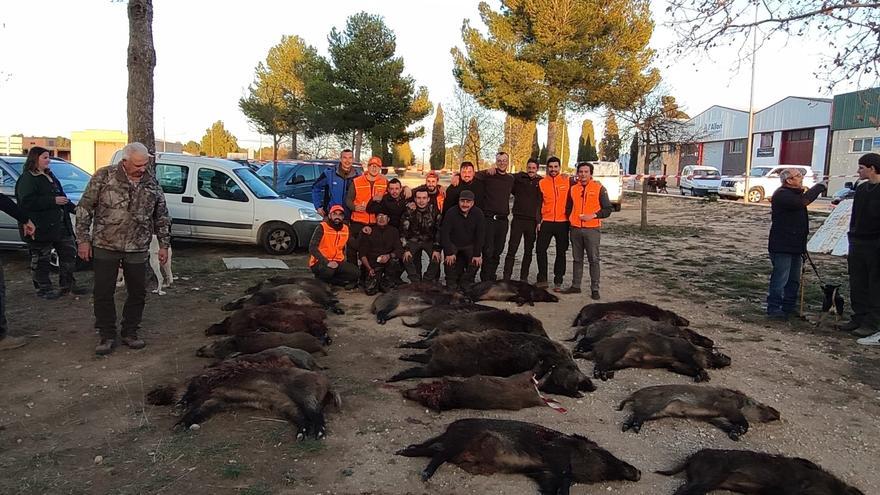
(327, 249)
(380, 251)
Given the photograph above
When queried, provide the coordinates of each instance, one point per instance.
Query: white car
(763, 182)
(609, 175)
(699, 180)
(216, 199)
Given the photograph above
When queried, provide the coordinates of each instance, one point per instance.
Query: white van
(699, 180)
(216, 199)
(609, 175)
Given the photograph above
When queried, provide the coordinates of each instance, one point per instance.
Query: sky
(63, 63)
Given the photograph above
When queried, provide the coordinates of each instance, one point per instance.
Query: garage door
(797, 147)
(713, 154)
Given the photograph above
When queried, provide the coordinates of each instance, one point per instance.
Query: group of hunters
(374, 228)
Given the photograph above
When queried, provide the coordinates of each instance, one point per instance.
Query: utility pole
(749, 139)
(164, 140)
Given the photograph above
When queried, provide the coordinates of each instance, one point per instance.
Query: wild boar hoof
(603, 375)
(702, 376)
(425, 475)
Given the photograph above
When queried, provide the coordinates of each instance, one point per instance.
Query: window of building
(217, 185)
(172, 178)
(766, 140)
(861, 145)
(735, 147)
(800, 135)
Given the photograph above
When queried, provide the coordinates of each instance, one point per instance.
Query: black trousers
(106, 268)
(462, 273)
(384, 276)
(354, 233)
(864, 281)
(414, 265)
(557, 231)
(344, 274)
(520, 228)
(493, 245)
(41, 262)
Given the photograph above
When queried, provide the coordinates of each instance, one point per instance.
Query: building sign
(763, 152)
(712, 128)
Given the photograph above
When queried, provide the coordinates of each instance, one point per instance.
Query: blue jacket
(330, 189)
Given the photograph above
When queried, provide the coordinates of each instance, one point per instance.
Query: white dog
(161, 271)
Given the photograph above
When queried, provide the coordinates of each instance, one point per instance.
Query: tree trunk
(644, 213)
(141, 62)
(294, 147)
(358, 144)
(552, 129)
(275, 161)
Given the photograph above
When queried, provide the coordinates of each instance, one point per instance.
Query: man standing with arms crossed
(553, 223)
(526, 205)
(587, 204)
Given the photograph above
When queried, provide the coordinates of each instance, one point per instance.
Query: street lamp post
(749, 139)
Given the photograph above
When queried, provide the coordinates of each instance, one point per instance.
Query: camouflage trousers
(41, 262)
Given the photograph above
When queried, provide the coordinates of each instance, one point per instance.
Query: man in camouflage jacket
(418, 234)
(120, 210)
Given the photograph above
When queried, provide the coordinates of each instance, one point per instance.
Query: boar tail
(236, 304)
(162, 395)
(624, 402)
(674, 471)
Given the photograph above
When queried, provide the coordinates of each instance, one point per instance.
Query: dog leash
(807, 257)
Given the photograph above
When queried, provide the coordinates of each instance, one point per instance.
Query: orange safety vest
(554, 191)
(364, 190)
(332, 244)
(441, 196)
(585, 200)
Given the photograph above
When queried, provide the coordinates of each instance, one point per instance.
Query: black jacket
(8, 206)
(498, 187)
(865, 220)
(526, 196)
(790, 222)
(36, 197)
(458, 231)
(476, 186)
(392, 207)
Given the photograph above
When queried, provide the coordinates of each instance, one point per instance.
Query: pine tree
(471, 152)
(217, 141)
(438, 141)
(192, 147)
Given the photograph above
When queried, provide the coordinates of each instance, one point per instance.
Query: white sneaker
(870, 340)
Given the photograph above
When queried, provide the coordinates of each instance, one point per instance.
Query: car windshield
(706, 174)
(260, 189)
(759, 172)
(73, 179)
(265, 172)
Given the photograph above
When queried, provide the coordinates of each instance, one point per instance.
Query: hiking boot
(571, 290)
(133, 342)
(594, 295)
(557, 287)
(8, 343)
(542, 285)
(75, 290)
(105, 347)
(863, 332)
(49, 294)
(870, 340)
(850, 326)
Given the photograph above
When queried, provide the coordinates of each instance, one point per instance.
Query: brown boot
(105, 347)
(8, 343)
(133, 342)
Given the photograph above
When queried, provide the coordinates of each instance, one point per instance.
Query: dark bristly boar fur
(743, 471)
(552, 459)
(301, 280)
(652, 350)
(297, 357)
(305, 295)
(727, 409)
(477, 392)
(600, 311)
(500, 353)
(277, 386)
(272, 319)
(254, 342)
(497, 319)
(412, 299)
(601, 329)
(509, 290)
(438, 314)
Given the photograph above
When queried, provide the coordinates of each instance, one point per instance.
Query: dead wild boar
(652, 350)
(601, 329)
(270, 318)
(477, 392)
(743, 471)
(297, 357)
(274, 385)
(253, 342)
(618, 309)
(552, 459)
(509, 290)
(301, 294)
(497, 319)
(438, 314)
(413, 299)
(500, 353)
(729, 410)
(301, 280)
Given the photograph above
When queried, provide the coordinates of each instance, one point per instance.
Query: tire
(755, 195)
(616, 206)
(279, 239)
(681, 190)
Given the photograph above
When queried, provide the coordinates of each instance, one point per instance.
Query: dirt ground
(62, 407)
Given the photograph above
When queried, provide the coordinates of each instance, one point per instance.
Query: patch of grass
(256, 489)
(233, 470)
(307, 446)
(654, 231)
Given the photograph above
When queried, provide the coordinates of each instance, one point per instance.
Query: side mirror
(298, 179)
(848, 185)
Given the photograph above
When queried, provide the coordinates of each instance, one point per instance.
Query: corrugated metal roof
(856, 110)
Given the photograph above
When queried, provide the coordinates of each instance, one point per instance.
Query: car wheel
(681, 190)
(756, 195)
(616, 206)
(279, 239)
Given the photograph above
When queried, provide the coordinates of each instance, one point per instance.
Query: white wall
(720, 124)
(843, 162)
(820, 147)
(766, 160)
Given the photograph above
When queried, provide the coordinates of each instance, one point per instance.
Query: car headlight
(309, 214)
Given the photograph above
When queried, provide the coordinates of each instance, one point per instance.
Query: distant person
(10, 208)
(381, 252)
(120, 211)
(435, 190)
(787, 242)
(41, 197)
(864, 254)
(526, 206)
(553, 222)
(333, 184)
(420, 234)
(587, 205)
(327, 251)
(462, 232)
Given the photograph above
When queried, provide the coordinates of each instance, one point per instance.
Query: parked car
(699, 180)
(217, 199)
(296, 178)
(73, 180)
(848, 192)
(763, 182)
(610, 175)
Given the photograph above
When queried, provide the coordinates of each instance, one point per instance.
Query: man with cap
(364, 189)
(380, 252)
(327, 250)
(435, 191)
(462, 234)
